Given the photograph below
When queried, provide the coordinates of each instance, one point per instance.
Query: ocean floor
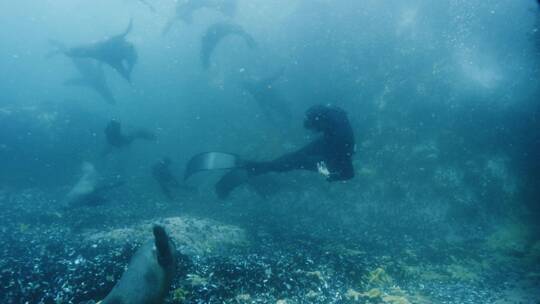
(56, 256)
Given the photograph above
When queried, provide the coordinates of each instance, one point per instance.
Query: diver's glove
(323, 169)
(332, 176)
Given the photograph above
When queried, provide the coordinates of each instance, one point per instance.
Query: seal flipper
(121, 69)
(150, 6)
(128, 29)
(161, 239)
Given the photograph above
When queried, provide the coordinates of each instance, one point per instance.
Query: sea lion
(89, 190)
(92, 76)
(115, 51)
(148, 277)
(187, 8)
(91, 73)
(215, 34)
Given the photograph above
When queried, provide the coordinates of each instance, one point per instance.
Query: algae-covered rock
(312, 294)
(378, 277)
(352, 294)
(462, 273)
(393, 295)
(315, 274)
(192, 236)
(243, 298)
(391, 299)
(373, 293)
(196, 280)
(179, 295)
(396, 295)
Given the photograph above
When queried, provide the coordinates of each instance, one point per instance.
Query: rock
(243, 298)
(196, 280)
(352, 294)
(192, 236)
(395, 299)
(379, 277)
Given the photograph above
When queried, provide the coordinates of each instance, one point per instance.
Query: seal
(89, 191)
(115, 51)
(150, 272)
(216, 33)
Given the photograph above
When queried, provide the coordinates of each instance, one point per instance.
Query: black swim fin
(230, 181)
(211, 161)
(163, 248)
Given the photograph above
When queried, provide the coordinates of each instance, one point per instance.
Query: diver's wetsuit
(333, 150)
(115, 138)
(162, 174)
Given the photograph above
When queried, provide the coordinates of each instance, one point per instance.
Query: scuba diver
(330, 154)
(162, 174)
(93, 77)
(115, 138)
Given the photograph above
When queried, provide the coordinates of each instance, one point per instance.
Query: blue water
(443, 98)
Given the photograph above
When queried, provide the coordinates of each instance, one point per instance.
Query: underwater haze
(105, 103)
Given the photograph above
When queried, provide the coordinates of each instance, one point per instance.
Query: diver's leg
(303, 159)
(295, 161)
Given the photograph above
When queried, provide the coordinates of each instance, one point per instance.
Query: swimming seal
(148, 277)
